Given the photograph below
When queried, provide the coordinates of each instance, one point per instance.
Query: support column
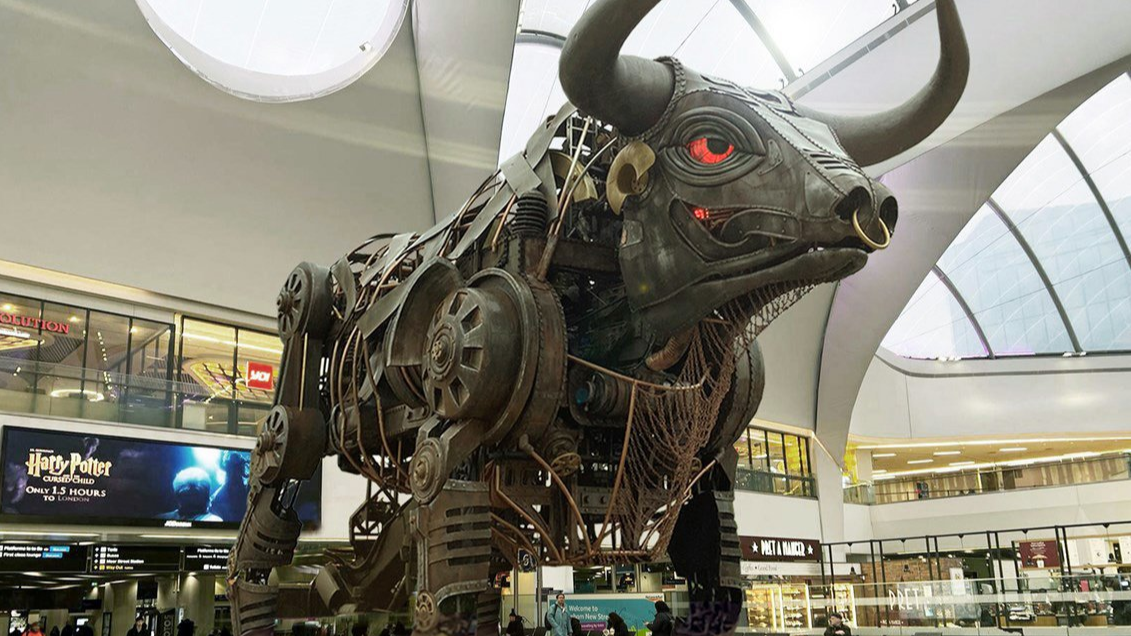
(123, 607)
(198, 597)
(167, 587)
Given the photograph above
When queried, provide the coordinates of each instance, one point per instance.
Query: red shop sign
(29, 322)
(1039, 554)
(260, 376)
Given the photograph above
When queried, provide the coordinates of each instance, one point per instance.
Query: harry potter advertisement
(86, 478)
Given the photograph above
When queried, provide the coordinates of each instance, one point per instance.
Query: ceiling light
(940, 453)
(878, 472)
(920, 461)
(189, 536)
(14, 533)
(8, 307)
(879, 455)
(1014, 449)
(966, 463)
(73, 319)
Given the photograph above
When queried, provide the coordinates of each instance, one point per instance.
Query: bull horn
(626, 91)
(874, 138)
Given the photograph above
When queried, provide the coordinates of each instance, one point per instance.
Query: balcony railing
(64, 391)
(1070, 472)
(775, 483)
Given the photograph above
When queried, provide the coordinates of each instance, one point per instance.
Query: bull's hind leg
(291, 444)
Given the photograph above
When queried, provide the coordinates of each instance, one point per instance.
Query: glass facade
(67, 361)
(75, 362)
(218, 359)
(1043, 267)
(774, 462)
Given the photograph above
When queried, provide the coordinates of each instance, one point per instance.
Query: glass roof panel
(933, 325)
(725, 46)
(277, 51)
(809, 31)
(1065, 226)
(1003, 290)
(535, 94)
(1058, 215)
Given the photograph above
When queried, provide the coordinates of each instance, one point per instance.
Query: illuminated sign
(42, 557)
(260, 376)
(778, 549)
(136, 558)
(28, 322)
(205, 558)
(70, 477)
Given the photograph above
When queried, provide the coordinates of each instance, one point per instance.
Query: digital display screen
(206, 558)
(135, 558)
(65, 477)
(42, 557)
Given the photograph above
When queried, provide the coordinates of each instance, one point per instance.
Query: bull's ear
(628, 175)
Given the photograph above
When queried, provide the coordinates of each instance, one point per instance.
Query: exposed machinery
(560, 370)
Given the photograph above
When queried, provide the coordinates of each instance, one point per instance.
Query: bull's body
(560, 370)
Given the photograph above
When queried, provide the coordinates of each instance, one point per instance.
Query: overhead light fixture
(878, 472)
(17, 533)
(1014, 449)
(882, 455)
(920, 461)
(941, 453)
(965, 463)
(201, 537)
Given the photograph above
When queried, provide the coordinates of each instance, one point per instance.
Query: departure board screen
(206, 558)
(42, 557)
(136, 558)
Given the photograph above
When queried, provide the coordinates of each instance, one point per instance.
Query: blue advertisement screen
(83, 478)
(592, 610)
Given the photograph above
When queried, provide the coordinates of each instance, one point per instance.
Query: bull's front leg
(291, 444)
(704, 547)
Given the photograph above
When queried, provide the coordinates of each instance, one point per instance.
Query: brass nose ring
(864, 237)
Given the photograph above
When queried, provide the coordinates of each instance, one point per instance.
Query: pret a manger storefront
(785, 589)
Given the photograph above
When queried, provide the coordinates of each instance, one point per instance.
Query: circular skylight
(277, 50)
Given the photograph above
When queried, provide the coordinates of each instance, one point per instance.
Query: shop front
(784, 589)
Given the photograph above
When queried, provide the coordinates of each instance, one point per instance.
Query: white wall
(916, 398)
(777, 516)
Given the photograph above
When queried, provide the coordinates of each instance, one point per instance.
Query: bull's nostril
(857, 199)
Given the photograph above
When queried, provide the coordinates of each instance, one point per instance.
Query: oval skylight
(277, 50)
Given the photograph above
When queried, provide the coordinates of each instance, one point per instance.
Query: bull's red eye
(710, 150)
(701, 214)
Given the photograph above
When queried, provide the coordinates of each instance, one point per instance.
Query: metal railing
(775, 483)
(65, 391)
(1069, 472)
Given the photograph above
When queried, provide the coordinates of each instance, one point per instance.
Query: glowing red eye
(701, 214)
(710, 150)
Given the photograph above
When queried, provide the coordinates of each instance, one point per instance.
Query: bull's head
(729, 190)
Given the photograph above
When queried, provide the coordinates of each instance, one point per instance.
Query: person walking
(33, 630)
(139, 628)
(662, 624)
(836, 626)
(559, 617)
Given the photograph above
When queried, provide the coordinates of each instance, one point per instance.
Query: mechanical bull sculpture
(560, 370)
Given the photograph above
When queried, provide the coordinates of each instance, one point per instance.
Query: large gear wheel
(303, 303)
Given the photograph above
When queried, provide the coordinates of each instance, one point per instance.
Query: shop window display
(231, 374)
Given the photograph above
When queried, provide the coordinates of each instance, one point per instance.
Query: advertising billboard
(66, 477)
(592, 610)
